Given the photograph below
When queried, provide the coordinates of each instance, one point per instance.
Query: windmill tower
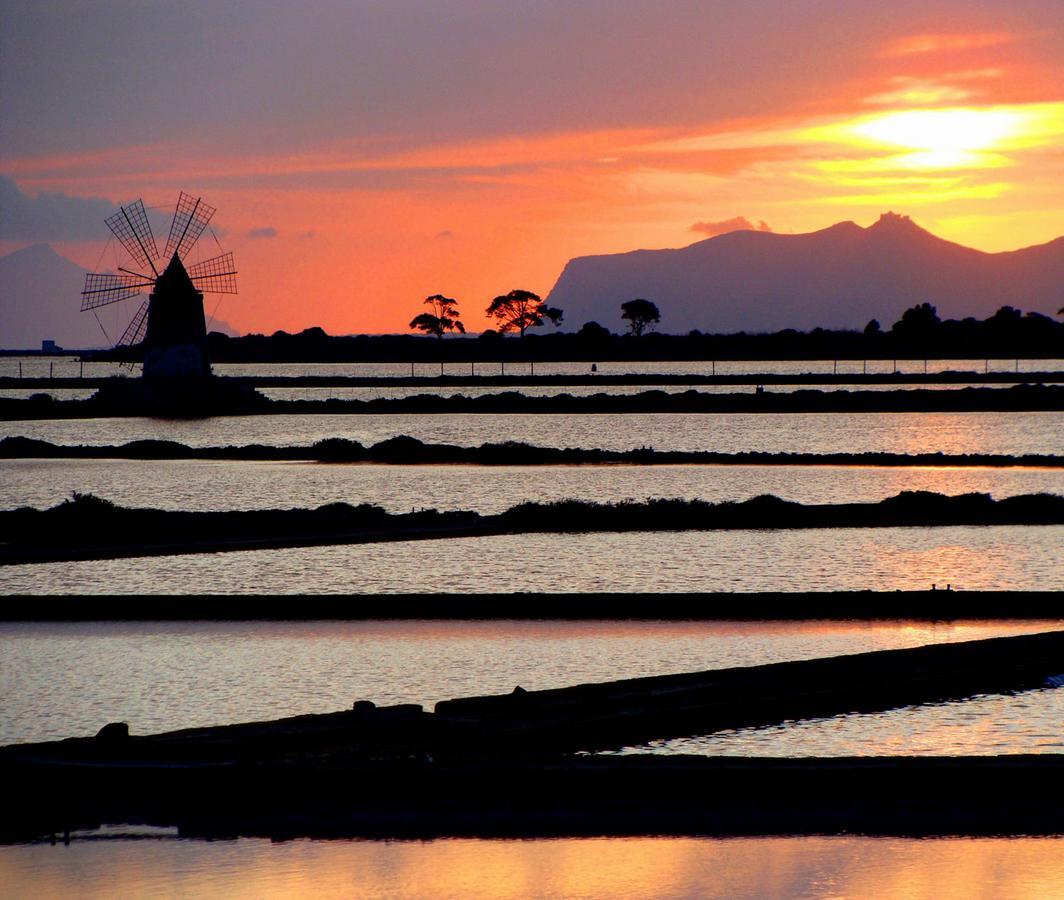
(170, 325)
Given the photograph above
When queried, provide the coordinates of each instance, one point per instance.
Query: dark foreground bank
(405, 450)
(224, 396)
(936, 605)
(87, 527)
(576, 796)
(503, 765)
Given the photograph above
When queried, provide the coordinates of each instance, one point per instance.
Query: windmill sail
(104, 288)
(214, 276)
(130, 225)
(136, 328)
(190, 218)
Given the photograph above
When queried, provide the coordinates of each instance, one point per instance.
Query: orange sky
(961, 128)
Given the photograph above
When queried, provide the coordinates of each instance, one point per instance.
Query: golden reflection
(891, 869)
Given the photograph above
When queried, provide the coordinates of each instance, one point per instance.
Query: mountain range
(40, 299)
(839, 277)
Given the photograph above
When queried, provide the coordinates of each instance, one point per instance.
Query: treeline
(918, 334)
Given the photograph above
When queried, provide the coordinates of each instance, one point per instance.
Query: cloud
(739, 223)
(944, 43)
(267, 232)
(50, 217)
(444, 235)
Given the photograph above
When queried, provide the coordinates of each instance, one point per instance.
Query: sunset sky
(365, 154)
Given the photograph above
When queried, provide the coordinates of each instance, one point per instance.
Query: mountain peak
(895, 223)
(35, 251)
(838, 277)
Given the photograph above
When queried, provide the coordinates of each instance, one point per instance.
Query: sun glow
(956, 138)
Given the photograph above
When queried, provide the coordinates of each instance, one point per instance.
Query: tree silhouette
(918, 321)
(554, 314)
(641, 314)
(521, 310)
(443, 318)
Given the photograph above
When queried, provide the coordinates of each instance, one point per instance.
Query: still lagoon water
(217, 485)
(884, 559)
(140, 862)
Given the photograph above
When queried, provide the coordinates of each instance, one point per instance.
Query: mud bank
(404, 450)
(938, 605)
(87, 527)
(502, 764)
(122, 400)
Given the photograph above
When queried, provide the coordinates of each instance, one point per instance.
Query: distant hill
(840, 277)
(40, 299)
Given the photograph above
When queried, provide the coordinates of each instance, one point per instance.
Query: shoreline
(797, 606)
(232, 397)
(88, 527)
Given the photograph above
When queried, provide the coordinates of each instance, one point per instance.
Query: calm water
(68, 367)
(1029, 722)
(1040, 432)
(206, 485)
(61, 680)
(884, 559)
(109, 863)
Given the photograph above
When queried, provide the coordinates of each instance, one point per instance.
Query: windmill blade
(136, 328)
(104, 288)
(191, 216)
(130, 225)
(214, 276)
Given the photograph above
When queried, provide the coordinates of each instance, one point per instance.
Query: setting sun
(957, 138)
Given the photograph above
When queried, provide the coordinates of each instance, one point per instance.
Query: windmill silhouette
(169, 325)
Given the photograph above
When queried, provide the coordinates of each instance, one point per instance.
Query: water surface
(213, 485)
(998, 557)
(991, 724)
(110, 863)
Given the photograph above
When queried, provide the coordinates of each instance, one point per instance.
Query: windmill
(169, 325)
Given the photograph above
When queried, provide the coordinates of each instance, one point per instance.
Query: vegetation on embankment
(405, 450)
(87, 527)
(119, 400)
